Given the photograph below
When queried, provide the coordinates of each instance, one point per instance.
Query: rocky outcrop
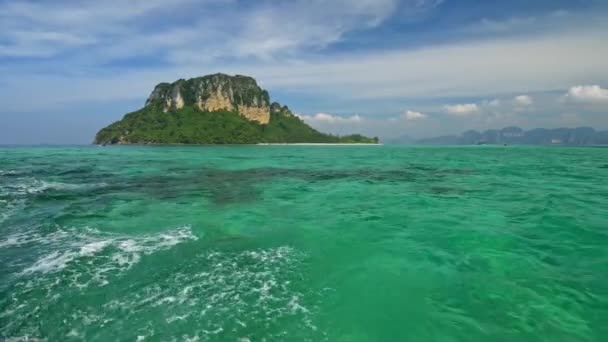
(215, 92)
(214, 109)
(277, 109)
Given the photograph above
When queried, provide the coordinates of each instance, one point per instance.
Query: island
(215, 109)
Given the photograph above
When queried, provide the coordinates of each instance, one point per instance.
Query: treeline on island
(215, 109)
(150, 125)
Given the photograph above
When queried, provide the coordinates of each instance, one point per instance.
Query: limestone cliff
(213, 93)
(214, 109)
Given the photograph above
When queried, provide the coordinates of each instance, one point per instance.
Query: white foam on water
(51, 262)
(15, 193)
(7, 173)
(188, 338)
(93, 247)
(18, 239)
(227, 294)
(25, 338)
(29, 185)
(35, 186)
(295, 306)
(74, 333)
(107, 252)
(177, 318)
(9, 207)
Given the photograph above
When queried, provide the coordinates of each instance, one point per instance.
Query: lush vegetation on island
(188, 112)
(150, 125)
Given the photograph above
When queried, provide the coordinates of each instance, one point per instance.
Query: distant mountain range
(581, 136)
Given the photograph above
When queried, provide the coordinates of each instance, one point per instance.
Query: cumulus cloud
(523, 100)
(412, 115)
(329, 118)
(462, 109)
(494, 103)
(588, 93)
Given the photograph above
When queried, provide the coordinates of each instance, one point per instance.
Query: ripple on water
(109, 251)
(247, 294)
(71, 260)
(15, 192)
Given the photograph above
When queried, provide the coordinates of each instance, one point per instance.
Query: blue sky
(381, 67)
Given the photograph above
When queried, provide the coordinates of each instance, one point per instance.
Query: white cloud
(553, 21)
(283, 45)
(45, 29)
(494, 103)
(412, 116)
(462, 109)
(588, 93)
(285, 56)
(447, 70)
(500, 26)
(329, 118)
(523, 100)
(220, 28)
(315, 24)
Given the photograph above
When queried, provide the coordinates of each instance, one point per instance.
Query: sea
(303, 243)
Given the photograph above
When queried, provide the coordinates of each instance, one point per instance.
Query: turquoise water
(296, 243)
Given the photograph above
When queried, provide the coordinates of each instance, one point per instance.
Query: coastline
(317, 144)
(258, 144)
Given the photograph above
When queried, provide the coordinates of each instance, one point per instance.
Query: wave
(8, 173)
(229, 294)
(15, 194)
(225, 294)
(35, 186)
(106, 251)
(8, 208)
(25, 338)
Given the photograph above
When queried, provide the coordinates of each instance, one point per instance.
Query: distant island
(215, 109)
(581, 136)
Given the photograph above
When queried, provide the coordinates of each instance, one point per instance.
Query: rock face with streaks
(214, 93)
